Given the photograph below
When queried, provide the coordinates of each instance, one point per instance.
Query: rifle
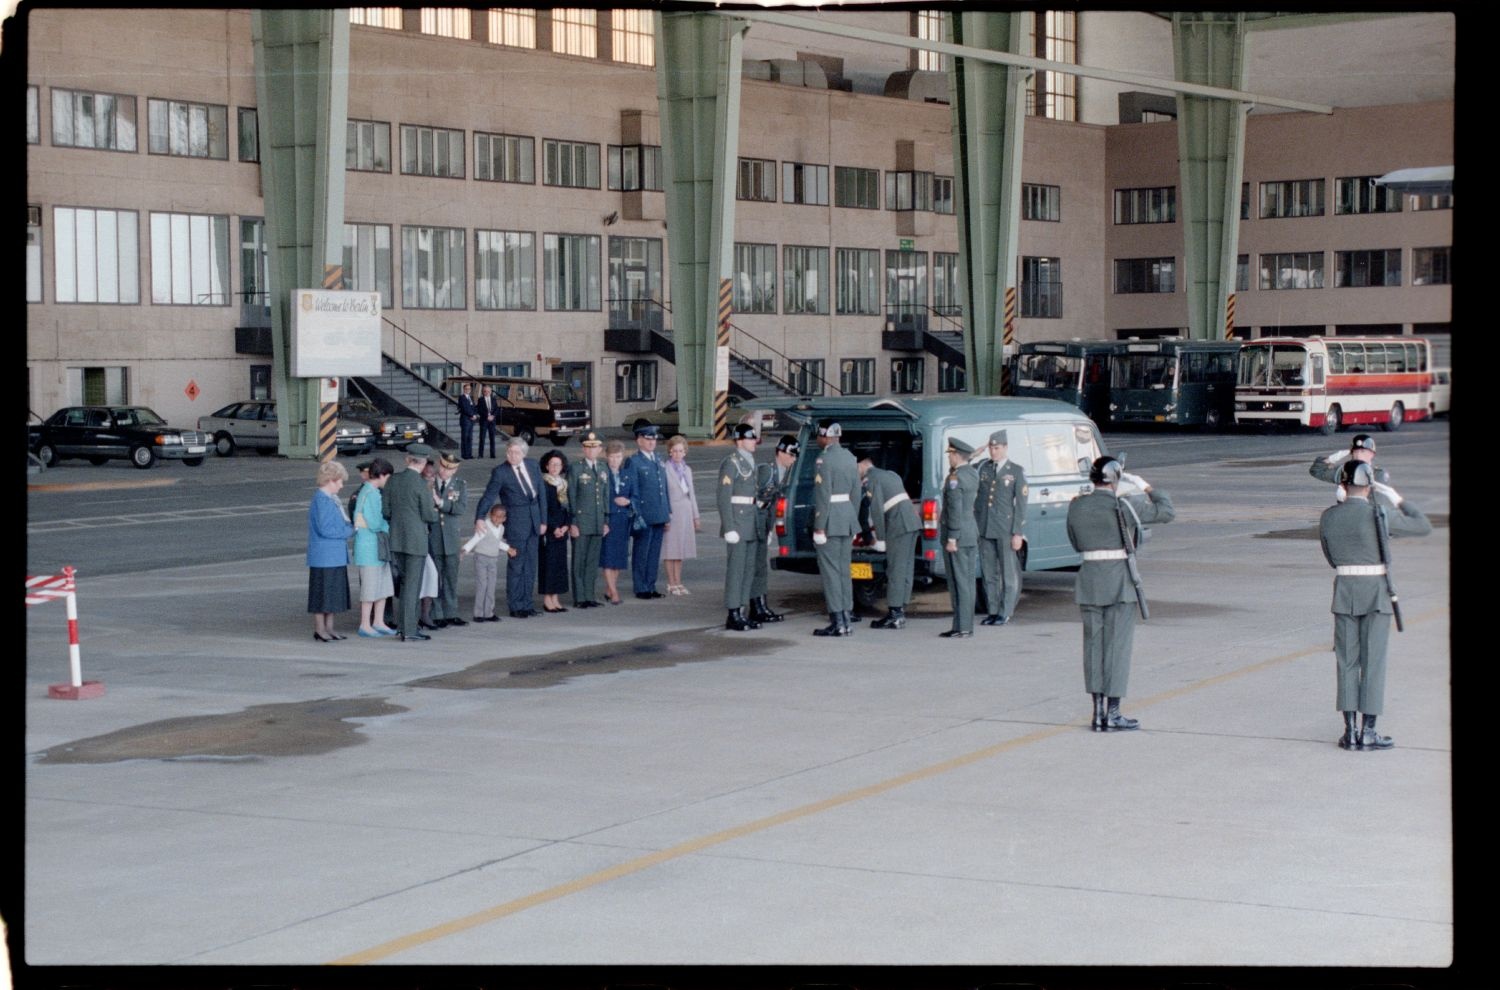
(1130, 564)
(1383, 540)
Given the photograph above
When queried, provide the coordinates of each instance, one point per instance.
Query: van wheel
(1213, 421)
(1332, 421)
(867, 593)
(558, 441)
(1398, 416)
(528, 434)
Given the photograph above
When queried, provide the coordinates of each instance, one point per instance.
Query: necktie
(525, 481)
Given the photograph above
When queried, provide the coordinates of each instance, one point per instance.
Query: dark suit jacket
(467, 409)
(523, 513)
(485, 408)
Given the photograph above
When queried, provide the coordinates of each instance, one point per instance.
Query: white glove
(1339, 494)
(771, 539)
(820, 537)
(732, 537)
(1336, 456)
(1383, 489)
(1133, 479)
(880, 546)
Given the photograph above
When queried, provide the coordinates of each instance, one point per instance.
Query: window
(632, 37)
(806, 184)
(905, 282)
(1157, 205)
(1145, 275)
(435, 371)
(859, 281)
(1041, 202)
(946, 297)
(255, 279)
(188, 130)
(755, 278)
(1360, 194)
(432, 268)
(447, 22)
(942, 194)
(858, 188)
(805, 375)
(33, 254)
(1242, 273)
(1294, 270)
(1361, 269)
(368, 146)
(504, 158)
(929, 27)
(857, 376)
(634, 167)
(575, 31)
(249, 146)
(1437, 201)
(1054, 36)
(570, 163)
(514, 26)
(367, 259)
(33, 115)
(98, 387)
(952, 377)
(381, 17)
(1244, 201)
(95, 256)
(804, 271)
(504, 269)
(435, 151)
(908, 375)
(189, 259)
(508, 369)
(908, 191)
(757, 180)
(93, 120)
(1296, 198)
(260, 382)
(571, 270)
(1432, 266)
(1041, 287)
(635, 381)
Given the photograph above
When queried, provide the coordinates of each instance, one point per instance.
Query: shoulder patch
(724, 480)
(952, 482)
(1025, 489)
(817, 479)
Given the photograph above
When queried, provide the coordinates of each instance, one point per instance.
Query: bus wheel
(1398, 416)
(1213, 421)
(1333, 420)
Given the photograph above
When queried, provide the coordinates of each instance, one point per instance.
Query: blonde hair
(678, 440)
(614, 447)
(331, 470)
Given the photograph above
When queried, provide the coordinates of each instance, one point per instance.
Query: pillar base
(67, 692)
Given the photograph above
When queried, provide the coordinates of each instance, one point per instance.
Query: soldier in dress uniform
(588, 490)
(407, 504)
(960, 534)
(771, 482)
(1362, 449)
(1000, 511)
(894, 521)
(647, 478)
(450, 494)
(738, 524)
(1105, 592)
(1362, 598)
(835, 521)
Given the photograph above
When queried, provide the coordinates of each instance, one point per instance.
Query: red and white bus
(1330, 382)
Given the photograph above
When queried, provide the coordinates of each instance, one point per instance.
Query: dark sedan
(99, 433)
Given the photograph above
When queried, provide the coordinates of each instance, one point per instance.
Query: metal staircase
(401, 391)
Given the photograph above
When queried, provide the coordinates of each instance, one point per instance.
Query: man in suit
(407, 504)
(588, 490)
(450, 494)
(835, 521)
(468, 419)
(893, 518)
(518, 484)
(1000, 511)
(488, 409)
(738, 524)
(648, 478)
(771, 483)
(960, 534)
(1362, 600)
(1097, 523)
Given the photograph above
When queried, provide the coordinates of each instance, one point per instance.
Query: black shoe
(585, 604)
(558, 609)
(455, 622)
(1350, 738)
(520, 614)
(655, 594)
(1099, 714)
(322, 639)
(895, 618)
(956, 634)
(836, 626)
(429, 625)
(761, 612)
(1370, 739)
(736, 621)
(414, 637)
(993, 620)
(644, 594)
(1115, 722)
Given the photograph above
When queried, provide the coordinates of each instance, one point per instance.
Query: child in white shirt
(486, 544)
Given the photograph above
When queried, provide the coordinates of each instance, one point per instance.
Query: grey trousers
(486, 579)
(961, 586)
(833, 568)
(1001, 567)
(760, 585)
(1108, 633)
(739, 571)
(900, 560)
(410, 565)
(586, 567)
(446, 605)
(1359, 643)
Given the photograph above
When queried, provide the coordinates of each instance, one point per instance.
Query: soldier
(647, 478)
(835, 521)
(771, 481)
(960, 534)
(450, 495)
(1105, 591)
(1362, 449)
(738, 524)
(897, 528)
(408, 506)
(588, 490)
(1000, 511)
(1363, 599)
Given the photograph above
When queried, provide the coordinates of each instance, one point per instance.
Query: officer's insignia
(1008, 480)
(952, 482)
(1025, 489)
(817, 479)
(725, 480)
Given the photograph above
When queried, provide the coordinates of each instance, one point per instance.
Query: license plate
(407, 435)
(197, 450)
(861, 572)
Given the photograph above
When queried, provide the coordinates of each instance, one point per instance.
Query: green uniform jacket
(449, 537)
(1347, 532)
(901, 516)
(588, 491)
(957, 521)
(1093, 524)
(737, 480)
(836, 474)
(1000, 506)
(407, 503)
(768, 488)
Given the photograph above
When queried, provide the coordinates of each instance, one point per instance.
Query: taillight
(929, 519)
(781, 517)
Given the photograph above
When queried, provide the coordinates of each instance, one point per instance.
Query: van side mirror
(1084, 464)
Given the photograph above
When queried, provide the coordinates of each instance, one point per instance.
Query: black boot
(1370, 739)
(1350, 738)
(832, 629)
(845, 618)
(1115, 722)
(761, 612)
(737, 622)
(1098, 723)
(895, 618)
(992, 620)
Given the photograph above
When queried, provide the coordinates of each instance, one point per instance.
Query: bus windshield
(1048, 370)
(1142, 371)
(1281, 365)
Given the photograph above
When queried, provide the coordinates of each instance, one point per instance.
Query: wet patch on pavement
(645, 653)
(1264, 462)
(1439, 520)
(1052, 602)
(303, 728)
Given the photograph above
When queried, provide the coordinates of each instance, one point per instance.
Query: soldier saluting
(835, 521)
(738, 523)
(960, 534)
(771, 482)
(1000, 510)
(894, 521)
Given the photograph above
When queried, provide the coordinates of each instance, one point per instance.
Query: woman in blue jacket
(614, 552)
(375, 584)
(328, 532)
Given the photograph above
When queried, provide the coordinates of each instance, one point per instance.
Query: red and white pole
(77, 688)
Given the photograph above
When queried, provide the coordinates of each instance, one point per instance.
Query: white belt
(1104, 555)
(894, 500)
(1360, 570)
(839, 498)
(741, 500)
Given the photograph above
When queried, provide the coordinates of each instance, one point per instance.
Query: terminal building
(503, 194)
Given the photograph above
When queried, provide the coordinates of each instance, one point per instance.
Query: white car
(666, 419)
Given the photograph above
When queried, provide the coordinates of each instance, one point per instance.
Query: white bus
(1330, 382)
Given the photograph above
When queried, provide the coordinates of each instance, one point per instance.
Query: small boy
(486, 544)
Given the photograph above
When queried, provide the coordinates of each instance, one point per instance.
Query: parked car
(98, 433)
(252, 425)
(667, 417)
(395, 432)
(531, 407)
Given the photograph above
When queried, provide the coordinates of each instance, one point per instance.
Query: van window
(895, 450)
(1056, 448)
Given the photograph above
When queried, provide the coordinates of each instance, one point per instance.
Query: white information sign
(721, 370)
(335, 333)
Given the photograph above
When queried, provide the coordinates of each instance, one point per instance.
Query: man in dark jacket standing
(488, 409)
(1000, 511)
(468, 419)
(518, 485)
(653, 510)
(408, 505)
(960, 533)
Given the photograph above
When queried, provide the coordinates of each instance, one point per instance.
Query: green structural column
(989, 115)
(302, 97)
(698, 87)
(1209, 48)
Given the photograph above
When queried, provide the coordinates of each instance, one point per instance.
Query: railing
(1041, 299)
(409, 351)
(763, 347)
(637, 314)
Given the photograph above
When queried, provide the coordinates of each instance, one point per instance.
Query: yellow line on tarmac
(103, 486)
(457, 925)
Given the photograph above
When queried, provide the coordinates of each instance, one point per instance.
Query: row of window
(1295, 198)
(575, 30)
(635, 381)
(1299, 270)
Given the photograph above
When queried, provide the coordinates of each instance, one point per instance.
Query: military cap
(648, 430)
(449, 459)
(419, 450)
(591, 439)
(830, 428)
(998, 437)
(957, 446)
(787, 444)
(1106, 470)
(1357, 474)
(743, 431)
(1362, 441)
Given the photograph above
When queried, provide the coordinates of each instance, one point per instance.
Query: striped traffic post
(1229, 316)
(1009, 339)
(721, 399)
(328, 412)
(46, 588)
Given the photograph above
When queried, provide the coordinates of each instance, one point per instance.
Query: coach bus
(1329, 382)
(1071, 371)
(1174, 381)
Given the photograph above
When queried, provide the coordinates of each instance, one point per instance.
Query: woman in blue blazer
(328, 532)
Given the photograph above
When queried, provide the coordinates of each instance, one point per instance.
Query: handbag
(383, 545)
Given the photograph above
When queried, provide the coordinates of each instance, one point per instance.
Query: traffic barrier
(46, 588)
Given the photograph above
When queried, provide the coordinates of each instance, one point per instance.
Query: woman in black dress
(553, 578)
